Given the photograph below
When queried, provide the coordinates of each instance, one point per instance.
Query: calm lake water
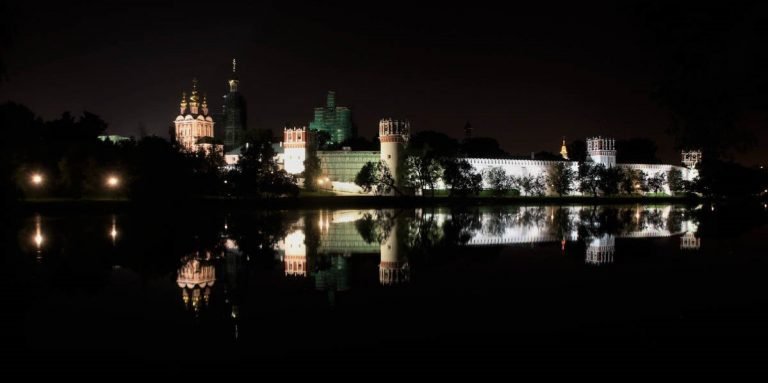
(293, 293)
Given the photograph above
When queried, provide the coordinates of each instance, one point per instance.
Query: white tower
(295, 149)
(393, 136)
(602, 151)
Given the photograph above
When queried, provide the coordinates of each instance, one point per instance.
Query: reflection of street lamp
(38, 237)
(113, 231)
(37, 179)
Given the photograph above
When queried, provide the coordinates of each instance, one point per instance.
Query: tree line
(64, 158)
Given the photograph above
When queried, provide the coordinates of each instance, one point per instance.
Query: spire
(564, 150)
(193, 97)
(183, 104)
(233, 81)
(204, 105)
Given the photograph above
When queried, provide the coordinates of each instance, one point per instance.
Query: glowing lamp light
(320, 181)
(37, 179)
(113, 181)
(38, 239)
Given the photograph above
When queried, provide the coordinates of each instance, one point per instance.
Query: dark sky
(525, 73)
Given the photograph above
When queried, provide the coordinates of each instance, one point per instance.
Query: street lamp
(36, 179)
(113, 181)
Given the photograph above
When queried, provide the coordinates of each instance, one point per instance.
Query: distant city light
(37, 179)
(113, 181)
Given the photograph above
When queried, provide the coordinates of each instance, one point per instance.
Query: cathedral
(194, 126)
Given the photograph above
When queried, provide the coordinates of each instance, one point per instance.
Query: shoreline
(339, 202)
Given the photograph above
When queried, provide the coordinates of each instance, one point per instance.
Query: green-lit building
(336, 120)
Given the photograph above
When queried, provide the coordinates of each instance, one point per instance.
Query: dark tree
(311, 171)
(633, 181)
(422, 173)
(376, 176)
(560, 177)
(589, 177)
(609, 179)
(675, 181)
(498, 180)
(461, 178)
(257, 172)
(656, 182)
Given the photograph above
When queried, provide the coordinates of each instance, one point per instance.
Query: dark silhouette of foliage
(461, 178)
(560, 177)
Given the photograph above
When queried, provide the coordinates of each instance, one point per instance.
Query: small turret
(564, 150)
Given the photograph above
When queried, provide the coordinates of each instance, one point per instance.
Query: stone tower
(393, 136)
(234, 115)
(295, 142)
(602, 151)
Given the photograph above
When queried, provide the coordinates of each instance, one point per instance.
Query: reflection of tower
(196, 276)
(600, 250)
(393, 136)
(689, 241)
(602, 151)
(294, 149)
(295, 258)
(333, 276)
(392, 269)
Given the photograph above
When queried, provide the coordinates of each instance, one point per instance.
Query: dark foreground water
(623, 291)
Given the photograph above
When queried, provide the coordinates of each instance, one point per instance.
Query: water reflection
(196, 277)
(321, 247)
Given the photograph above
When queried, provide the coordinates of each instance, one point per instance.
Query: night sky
(524, 73)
